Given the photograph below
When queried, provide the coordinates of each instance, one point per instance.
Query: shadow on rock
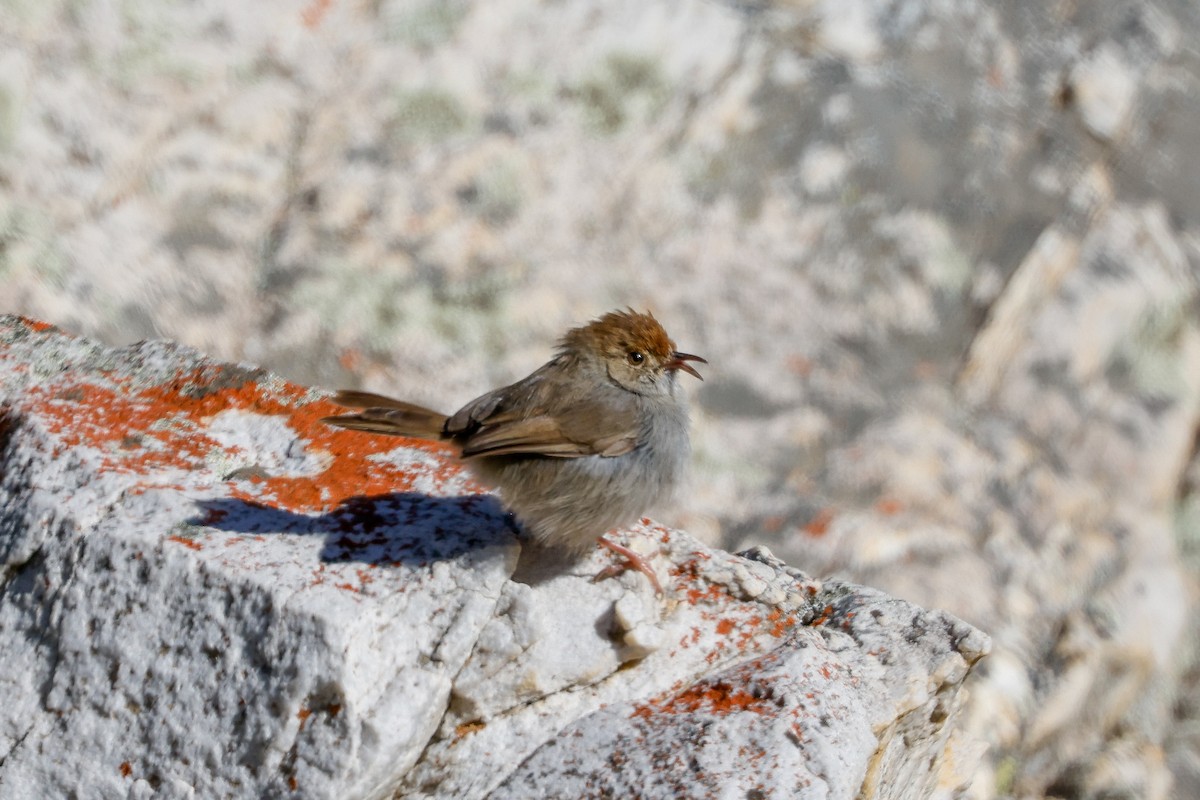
(401, 528)
(538, 565)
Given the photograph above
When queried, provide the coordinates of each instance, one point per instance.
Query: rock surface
(206, 592)
(943, 258)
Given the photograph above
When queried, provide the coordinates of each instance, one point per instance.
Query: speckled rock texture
(205, 592)
(942, 255)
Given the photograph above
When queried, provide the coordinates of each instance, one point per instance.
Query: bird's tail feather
(384, 415)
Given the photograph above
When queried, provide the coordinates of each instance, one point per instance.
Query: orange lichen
(824, 616)
(191, 544)
(889, 506)
(468, 728)
(351, 359)
(314, 13)
(773, 523)
(925, 369)
(695, 588)
(781, 622)
(161, 427)
(716, 697)
(819, 525)
(800, 365)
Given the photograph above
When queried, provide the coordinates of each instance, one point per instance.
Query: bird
(584, 445)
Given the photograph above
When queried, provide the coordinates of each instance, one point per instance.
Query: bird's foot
(633, 560)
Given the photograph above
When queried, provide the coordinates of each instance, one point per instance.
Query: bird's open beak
(679, 361)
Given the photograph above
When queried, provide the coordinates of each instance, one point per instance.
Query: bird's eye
(635, 357)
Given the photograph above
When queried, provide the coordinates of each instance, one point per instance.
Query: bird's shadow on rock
(405, 528)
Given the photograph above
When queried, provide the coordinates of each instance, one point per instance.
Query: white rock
(1105, 87)
(235, 657)
(848, 30)
(823, 169)
(337, 618)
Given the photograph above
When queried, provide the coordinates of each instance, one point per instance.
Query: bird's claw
(633, 560)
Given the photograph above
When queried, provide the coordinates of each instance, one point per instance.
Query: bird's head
(636, 352)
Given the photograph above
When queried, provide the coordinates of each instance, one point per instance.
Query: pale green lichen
(10, 116)
(1005, 775)
(428, 115)
(148, 49)
(430, 24)
(1149, 358)
(1187, 527)
(34, 13)
(496, 193)
(622, 88)
(383, 310)
(186, 530)
(223, 463)
(28, 247)
(536, 89)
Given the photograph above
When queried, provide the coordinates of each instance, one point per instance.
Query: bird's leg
(633, 560)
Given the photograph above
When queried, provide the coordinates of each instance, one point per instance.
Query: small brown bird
(585, 444)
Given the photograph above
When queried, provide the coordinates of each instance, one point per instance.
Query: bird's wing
(524, 419)
(547, 436)
(352, 398)
(379, 414)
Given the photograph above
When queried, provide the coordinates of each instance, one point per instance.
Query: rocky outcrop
(943, 259)
(206, 592)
